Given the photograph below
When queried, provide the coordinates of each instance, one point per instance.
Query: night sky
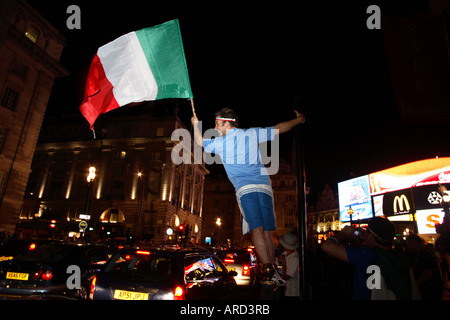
(256, 56)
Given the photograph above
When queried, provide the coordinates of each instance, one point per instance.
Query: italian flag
(143, 65)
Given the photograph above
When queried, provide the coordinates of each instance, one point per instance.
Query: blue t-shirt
(361, 258)
(239, 152)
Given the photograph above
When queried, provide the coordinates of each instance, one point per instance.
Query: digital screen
(427, 220)
(355, 193)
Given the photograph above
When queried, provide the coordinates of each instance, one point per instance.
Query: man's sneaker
(278, 280)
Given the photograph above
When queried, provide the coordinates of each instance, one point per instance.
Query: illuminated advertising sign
(399, 202)
(427, 220)
(428, 197)
(395, 191)
(355, 193)
(411, 175)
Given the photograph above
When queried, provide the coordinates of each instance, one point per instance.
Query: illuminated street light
(91, 175)
(218, 223)
(350, 212)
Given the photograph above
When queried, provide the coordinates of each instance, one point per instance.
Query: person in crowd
(375, 260)
(289, 260)
(425, 267)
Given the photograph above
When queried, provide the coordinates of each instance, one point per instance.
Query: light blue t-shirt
(239, 152)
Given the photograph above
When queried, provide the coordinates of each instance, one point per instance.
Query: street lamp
(350, 213)
(90, 178)
(218, 223)
(141, 183)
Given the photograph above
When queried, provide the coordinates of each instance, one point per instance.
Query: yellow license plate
(130, 295)
(17, 276)
(231, 269)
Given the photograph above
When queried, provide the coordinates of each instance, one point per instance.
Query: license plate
(231, 269)
(130, 295)
(17, 276)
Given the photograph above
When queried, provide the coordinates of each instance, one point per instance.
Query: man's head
(382, 230)
(226, 119)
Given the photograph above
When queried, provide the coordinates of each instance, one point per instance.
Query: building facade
(30, 49)
(323, 219)
(137, 190)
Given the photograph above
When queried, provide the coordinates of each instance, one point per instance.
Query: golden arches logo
(401, 202)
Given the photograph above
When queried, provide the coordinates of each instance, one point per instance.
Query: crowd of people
(370, 264)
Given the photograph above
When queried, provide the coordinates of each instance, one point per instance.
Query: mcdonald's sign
(398, 202)
(401, 204)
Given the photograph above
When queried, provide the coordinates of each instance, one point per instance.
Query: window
(9, 99)
(142, 267)
(3, 180)
(3, 134)
(199, 268)
(32, 34)
(19, 69)
(160, 132)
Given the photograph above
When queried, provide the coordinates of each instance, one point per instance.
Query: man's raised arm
(288, 125)
(198, 137)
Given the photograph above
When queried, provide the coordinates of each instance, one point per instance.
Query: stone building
(30, 50)
(324, 217)
(137, 189)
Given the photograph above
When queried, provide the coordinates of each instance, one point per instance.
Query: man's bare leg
(264, 245)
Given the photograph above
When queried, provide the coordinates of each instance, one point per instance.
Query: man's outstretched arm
(288, 125)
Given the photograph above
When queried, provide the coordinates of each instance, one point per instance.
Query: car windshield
(148, 267)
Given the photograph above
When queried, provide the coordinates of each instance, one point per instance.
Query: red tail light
(91, 293)
(32, 246)
(43, 274)
(179, 293)
(143, 252)
(228, 260)
(246, 271)
(47, 275)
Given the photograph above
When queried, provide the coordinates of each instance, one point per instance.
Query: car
(44, 270)
(14, 247)
(245, 263)
(163, 273)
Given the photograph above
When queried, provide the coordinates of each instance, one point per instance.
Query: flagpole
(192, 105)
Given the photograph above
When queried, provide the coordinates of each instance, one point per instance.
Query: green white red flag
(143, 65)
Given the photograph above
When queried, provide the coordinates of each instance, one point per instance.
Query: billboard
(398, 203)
(427, 220)
(401, 190)
(411, 175)
(355, 193)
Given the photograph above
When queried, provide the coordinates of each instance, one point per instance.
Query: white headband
(225, 119)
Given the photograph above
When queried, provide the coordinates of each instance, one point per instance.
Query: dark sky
(255, 56)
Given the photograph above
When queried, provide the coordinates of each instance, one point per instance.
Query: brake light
(143, 252)
(228, 260)
(47, 275)
(246, 271)
(91, 293)
(32, 246)
(179, 293)
(44, 275)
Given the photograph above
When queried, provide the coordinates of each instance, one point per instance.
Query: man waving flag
(143, 65)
